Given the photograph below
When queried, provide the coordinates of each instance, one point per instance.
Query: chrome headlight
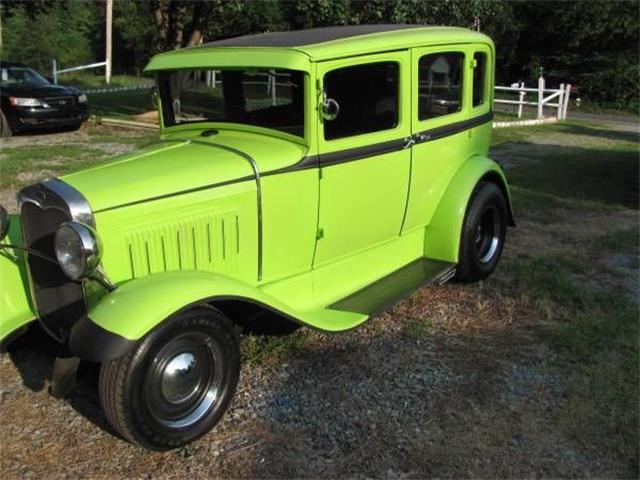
(4, 223)
(82, 98)
(78, 249)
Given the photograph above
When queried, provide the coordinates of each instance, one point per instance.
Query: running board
(383, 293)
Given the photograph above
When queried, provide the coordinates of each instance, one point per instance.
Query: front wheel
(176, 384)
(483, 233)
(5, 127)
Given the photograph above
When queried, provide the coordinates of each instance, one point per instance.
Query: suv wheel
(483, 233)
(176, 384)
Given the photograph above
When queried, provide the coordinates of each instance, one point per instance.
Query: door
(444, 118)
(364, 165)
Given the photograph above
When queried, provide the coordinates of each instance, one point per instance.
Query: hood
(39, 92)
(175, 166)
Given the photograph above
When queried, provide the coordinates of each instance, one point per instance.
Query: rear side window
(479, 76)
(368, 99)
(439, 84)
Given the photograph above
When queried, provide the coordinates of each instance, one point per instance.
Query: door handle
(408, 142)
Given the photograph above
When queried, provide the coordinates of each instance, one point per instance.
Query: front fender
(442, 241)
(16, 307)
(120, 318)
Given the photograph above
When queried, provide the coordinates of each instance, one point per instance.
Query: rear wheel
(5, 128)
(483, 233)
(176, 384)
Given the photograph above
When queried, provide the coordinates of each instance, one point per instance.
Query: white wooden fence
(55, 71)
(542, 95)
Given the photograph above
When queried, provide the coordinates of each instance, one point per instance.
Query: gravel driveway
(455, 381)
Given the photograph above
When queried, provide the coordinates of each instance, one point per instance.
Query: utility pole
(107, 71)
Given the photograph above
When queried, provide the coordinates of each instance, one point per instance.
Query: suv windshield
(22, 76)
(261, 97)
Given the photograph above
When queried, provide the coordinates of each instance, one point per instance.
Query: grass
(577, 162)
(124, 105)
(593, 328)
(25, 164)
(620, 241)
(88, 80)
(271, 349)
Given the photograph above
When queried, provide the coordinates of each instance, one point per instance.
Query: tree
(39, 32)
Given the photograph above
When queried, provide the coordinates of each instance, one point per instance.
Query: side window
(439, 84)
(368, 98)
(479, 75)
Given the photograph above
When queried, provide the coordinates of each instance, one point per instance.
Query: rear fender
(442, 241)
(121, 318)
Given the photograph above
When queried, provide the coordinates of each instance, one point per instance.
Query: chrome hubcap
(180, 377)
(487, 237)
(184, 381)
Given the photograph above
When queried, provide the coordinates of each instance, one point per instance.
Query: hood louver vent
(208, 242)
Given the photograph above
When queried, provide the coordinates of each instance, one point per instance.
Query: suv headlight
(27, 102)
(78, 249)
(82, 98)
(4, 222)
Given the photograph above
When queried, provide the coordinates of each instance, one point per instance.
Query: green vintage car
(316, 176)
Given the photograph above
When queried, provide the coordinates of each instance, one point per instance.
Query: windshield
(22, 76)
(261, 97)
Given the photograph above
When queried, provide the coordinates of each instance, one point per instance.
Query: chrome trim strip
(79, 208)
(23, 198)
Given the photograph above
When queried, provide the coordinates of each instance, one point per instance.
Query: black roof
(298, 38)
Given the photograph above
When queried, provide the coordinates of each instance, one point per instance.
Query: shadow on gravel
(402, 404)
(607, 176)
(33, 355)
(616, 135)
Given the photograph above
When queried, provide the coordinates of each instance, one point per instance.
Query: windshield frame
(43, 81)
(168, 117)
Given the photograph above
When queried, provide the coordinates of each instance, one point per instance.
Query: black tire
(176, 384)
(5, 128)
(483, 233)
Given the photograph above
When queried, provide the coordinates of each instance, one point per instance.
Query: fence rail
(543, 97)
(55, 71)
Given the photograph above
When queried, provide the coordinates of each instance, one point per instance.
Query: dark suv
(30, 102)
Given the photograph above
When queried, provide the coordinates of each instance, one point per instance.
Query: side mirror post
(330, 108)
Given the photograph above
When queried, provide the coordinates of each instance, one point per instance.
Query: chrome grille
(58, 301)
(60, 101)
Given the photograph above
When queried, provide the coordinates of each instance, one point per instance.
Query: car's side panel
(436, 159)
(213, 230)
(290, 219)
(442, 238)
(15, 302)
(363, 195)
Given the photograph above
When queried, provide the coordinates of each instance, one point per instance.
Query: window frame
(402, 129)
(465, 109)
(486, 105)
(166, 110)
(462, 93)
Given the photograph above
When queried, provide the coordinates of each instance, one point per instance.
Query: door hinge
(320, 234)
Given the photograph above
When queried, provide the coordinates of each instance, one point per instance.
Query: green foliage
(36, 37)
(592, 45)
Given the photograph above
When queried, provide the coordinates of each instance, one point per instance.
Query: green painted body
(15, 297)
(180, 219)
